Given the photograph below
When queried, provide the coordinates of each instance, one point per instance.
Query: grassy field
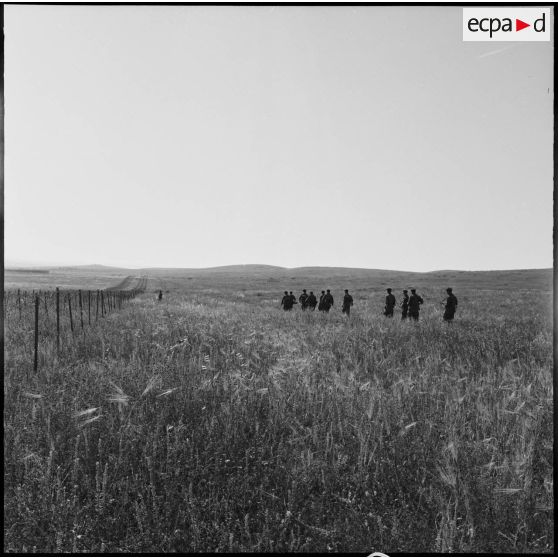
(215, 422)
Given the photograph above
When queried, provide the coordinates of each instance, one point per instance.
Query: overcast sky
(338, 136)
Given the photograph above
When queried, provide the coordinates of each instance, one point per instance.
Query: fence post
(46, 305)
(70, 308)
(80, 309)
(97, 310)
(36, 360)
(19, 302)
(57, 320)
(89, 306)
(102, 303)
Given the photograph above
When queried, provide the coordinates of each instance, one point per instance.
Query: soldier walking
(287, 302)
(293, 298)
(390, 304)
(328, 301)
(404, 305)
(347, 303)
(415, 301)
(303, 299)
(321, 303)
(311, 301)
(451, 305)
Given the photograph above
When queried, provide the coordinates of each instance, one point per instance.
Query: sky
(197, 136)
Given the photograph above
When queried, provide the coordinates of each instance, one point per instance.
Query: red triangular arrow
(519, 25)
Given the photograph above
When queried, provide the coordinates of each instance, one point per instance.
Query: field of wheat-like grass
(207, 423)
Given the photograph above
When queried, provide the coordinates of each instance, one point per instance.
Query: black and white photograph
(278, 279)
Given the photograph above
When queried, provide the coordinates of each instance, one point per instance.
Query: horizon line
(12, 266)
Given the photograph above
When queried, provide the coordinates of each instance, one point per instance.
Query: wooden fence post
(70, 308)
(57, 320)
(46, 305)
(19, 302)
(97, 311)
(89, 306)
(36, 360)
(102, 303)
(80, 309)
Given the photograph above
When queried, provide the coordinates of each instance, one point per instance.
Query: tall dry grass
(222, 424)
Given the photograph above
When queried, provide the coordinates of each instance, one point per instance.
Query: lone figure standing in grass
(390, 304)
(303, 299)
(404, 305)
(160, 297)
(451, 305)
(311, 301)
(347, 303)
(414, 305)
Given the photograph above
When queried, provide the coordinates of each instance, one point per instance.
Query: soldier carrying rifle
(404, 305)
(390, 304)
(287, 302)
(311, 301)
(303, 299)
(293, 298)
(321, 303)
(347, 303)
(451, 305)
(328, 301)
(415, 301)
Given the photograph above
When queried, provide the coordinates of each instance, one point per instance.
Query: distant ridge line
(262, 268)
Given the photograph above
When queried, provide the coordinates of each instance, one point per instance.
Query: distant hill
(260, 277)
(500, 279)
(247, 269)
(91, 267)
(26, 270)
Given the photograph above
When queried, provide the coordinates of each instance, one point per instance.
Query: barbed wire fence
(53, 311)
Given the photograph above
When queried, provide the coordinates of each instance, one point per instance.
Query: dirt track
(130, 283)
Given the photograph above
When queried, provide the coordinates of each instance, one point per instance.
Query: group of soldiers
(410, 305)
(309, 301)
